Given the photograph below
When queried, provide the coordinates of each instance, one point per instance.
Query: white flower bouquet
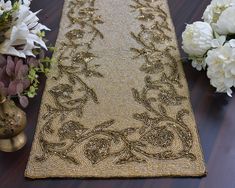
(22, 47)
(210, 44)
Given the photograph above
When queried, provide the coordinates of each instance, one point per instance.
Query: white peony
(221, 67)
(197, 38)
(225, 24)
(5, 6)
(23, 37)
(221, 15)
(218, 42)
(199, 62)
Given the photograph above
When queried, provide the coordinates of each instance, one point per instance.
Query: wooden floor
(215, 116)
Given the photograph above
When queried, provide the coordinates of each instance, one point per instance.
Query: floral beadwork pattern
(156, 137)
(75, 63)
(162, 78)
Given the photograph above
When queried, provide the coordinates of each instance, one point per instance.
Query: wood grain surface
(214, 115)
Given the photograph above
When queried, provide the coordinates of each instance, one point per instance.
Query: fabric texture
(117, 102)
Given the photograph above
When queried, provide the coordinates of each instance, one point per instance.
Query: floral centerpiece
(22, 47)
(22, 59)
(210, 44)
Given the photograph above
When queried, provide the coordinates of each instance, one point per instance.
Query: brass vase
(12, 125)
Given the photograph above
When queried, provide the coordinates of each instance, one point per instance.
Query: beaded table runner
(117, 102)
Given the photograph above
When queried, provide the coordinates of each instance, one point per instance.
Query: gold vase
(12, 125)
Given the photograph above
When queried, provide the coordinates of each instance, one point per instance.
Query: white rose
(221, 68)
(197, 38)
(221, 14)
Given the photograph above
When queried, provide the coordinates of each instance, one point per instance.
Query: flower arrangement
(22, 47)
(210, 44)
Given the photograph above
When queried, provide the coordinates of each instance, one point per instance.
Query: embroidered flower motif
(97, 149)
(159, 136)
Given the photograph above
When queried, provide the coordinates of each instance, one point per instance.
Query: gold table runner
(117, 102)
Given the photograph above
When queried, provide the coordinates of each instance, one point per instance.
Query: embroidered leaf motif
(71, 130)
(90, 73)
(181, 114)
(162, 110)
(52, 145)
(69, 159)
(143, 129)
(136, 94)
(170, 98)
(75, 34)
(103, 125)
(129, 131)
(128, 157)
(138, 143)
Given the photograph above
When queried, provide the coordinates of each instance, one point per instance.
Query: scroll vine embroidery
(156, 120)
(159, 130)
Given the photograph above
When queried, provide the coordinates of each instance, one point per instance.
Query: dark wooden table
(215, 116)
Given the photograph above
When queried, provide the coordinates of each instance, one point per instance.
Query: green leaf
(41, 34)
(16, 6)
